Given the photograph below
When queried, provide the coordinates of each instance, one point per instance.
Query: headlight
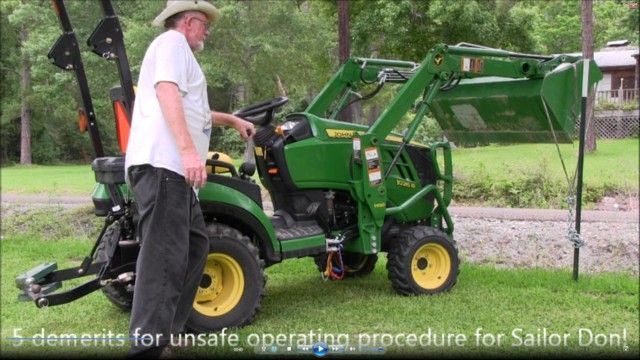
(286, 127)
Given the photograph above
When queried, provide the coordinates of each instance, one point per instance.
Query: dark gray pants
(174, 248)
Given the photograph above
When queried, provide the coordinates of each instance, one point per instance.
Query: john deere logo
(438, 59)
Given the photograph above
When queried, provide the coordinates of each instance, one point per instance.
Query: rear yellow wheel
(422, 260)
(232, 284)
(221, 287)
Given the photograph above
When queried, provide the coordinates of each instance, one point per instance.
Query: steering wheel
(261, 113)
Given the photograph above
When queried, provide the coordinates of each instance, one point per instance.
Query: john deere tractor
(342, 193)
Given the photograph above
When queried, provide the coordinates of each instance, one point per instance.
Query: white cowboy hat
(177, 6)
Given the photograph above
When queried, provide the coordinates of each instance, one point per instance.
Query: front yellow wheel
(430, 266)
(221, 287)
(422, 260)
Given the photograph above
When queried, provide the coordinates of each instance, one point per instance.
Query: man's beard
(199, 46)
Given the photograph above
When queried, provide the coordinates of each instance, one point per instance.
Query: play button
(320, 349)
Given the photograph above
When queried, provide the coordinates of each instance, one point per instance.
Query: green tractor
(342, 193)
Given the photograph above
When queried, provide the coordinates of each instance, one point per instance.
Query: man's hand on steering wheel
(245, 128)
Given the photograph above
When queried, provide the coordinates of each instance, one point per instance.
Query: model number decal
(405, 183)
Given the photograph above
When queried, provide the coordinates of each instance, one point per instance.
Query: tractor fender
(233, 208)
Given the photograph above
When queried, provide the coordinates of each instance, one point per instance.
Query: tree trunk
(344, 47)
(25, 111)
(587, 53)
(344, 43)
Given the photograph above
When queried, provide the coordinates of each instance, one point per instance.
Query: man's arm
(244, 127)
(170, 101)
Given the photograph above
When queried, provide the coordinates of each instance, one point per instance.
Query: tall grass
(531, 175)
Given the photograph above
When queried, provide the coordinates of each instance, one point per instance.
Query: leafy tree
(21, 70)
(557, 28)
(261, 49)
(557, 24)
(614, 20)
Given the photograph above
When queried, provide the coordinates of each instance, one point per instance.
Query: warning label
(474, 65)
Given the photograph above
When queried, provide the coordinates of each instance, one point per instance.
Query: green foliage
(54, 223)
(228, 141)
(615, 20)
(530, 175)
(557, 24)
(616, 105)
(428, 131)
(534, 188)
(260, 49)
(258, 43)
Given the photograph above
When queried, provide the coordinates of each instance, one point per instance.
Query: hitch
(31, 282)
(40, 283)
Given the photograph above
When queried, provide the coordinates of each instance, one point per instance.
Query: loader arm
(476, 94)
(447, 67)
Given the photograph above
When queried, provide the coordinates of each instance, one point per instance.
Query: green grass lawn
(53, 179)
(50, 179)
(599, 313)
(614, 165)
(615, 162)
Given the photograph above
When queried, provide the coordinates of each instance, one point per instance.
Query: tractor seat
(109, 170)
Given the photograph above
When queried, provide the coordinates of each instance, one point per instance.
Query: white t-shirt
(151, 141)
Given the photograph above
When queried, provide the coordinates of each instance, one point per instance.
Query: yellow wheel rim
(430, 266)
(221, 287)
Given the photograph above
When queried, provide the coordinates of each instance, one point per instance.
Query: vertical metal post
(583, 123)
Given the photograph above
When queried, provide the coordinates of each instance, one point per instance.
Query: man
(165, 165)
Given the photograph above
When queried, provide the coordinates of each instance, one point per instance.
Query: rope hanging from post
(574, 184)
(571, 235)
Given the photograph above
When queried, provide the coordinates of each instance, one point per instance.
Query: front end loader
(342, 193)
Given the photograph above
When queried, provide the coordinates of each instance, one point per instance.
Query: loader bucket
(504, 110)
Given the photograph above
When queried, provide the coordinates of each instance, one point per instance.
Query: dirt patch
(50, 221)
(619, 202)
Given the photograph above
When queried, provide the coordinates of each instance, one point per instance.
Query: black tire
(232, 285)
(423, 261)
(356, 265)
(117, 293)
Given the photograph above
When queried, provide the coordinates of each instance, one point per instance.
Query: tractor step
(299, 230)
(287, 228)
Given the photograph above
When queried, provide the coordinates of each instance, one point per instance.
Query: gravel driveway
(497, 236)
(610, 246)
